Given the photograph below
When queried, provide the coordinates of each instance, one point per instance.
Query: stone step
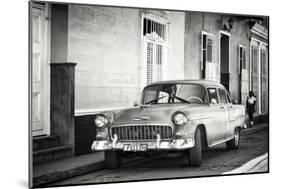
(45, 142)
(51, 154)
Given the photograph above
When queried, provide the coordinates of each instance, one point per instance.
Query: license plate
(135, 147)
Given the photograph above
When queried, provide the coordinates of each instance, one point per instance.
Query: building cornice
(260, 31)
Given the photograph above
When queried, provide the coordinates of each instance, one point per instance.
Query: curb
(254, 129)
(253, 164)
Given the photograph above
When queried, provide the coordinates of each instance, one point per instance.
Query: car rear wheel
(195, 153)
(233, 144)
(112, 159)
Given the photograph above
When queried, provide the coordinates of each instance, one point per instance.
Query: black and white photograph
(126, 94)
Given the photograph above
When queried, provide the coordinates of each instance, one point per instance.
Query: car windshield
(174, 93)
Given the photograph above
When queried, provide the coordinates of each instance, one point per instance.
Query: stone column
(62, 101)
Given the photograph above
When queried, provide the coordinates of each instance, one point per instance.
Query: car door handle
(222, 107)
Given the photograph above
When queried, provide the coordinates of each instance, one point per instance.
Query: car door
(231, 118)
(225, 103)
(218, 115)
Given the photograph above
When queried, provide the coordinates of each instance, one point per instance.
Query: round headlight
(101, 121)
(180, 119)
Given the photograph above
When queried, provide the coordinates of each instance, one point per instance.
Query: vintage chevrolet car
(186, 115)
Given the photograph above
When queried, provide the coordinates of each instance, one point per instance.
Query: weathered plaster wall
(239, 36)
(176, 45)
(195, 23)
(59, 33)
(192, 56)
(105, 43)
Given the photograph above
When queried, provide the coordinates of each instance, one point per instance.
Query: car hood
(160, 113)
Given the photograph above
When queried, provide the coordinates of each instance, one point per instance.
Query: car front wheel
(112, 159)
(233, 144)
(195, 153)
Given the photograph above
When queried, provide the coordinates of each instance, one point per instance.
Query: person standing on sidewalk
(250, 106)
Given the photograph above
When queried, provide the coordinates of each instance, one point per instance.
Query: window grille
(154, 34)
(151, 26)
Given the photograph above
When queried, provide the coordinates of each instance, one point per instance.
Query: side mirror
(135, 103)
(213, 101)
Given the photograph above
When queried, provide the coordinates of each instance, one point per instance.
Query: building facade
(92, 58)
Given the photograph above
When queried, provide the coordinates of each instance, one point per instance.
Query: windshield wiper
(149, 102)
(181, 99)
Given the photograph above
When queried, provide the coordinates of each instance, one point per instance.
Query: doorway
(224, 60)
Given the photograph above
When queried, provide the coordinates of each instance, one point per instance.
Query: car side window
(213, 96)
(223, 98)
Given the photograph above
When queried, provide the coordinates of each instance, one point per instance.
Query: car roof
(205, 83)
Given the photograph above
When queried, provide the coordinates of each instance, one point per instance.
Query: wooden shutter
(243, 58)
(204, 54)
(264, 81)
(149, 62)
(154, 33)
(159, 62)
(209, 47)
(255, 75)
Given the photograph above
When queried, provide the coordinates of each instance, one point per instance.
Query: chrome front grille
(142, 132)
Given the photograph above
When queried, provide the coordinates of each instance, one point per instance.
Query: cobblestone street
(217, 160)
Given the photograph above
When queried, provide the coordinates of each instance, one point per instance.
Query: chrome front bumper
(177, 144)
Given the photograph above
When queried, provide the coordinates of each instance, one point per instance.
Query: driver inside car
(172, 94)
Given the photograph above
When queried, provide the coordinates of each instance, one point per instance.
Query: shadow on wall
(85, 133)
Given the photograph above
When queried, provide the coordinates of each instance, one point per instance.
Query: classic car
(179, 115)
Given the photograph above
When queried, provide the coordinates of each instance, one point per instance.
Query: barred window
(151, 26)
(154, 34)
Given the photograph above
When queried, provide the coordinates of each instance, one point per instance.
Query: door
(229, 124)
(224, 60)
(40, 72)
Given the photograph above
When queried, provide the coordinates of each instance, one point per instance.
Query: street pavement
(216, 161)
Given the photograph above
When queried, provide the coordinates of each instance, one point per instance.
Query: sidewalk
(67, 168)
(61, 169)
(259, 164)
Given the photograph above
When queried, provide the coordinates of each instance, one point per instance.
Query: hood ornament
(141, 119)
